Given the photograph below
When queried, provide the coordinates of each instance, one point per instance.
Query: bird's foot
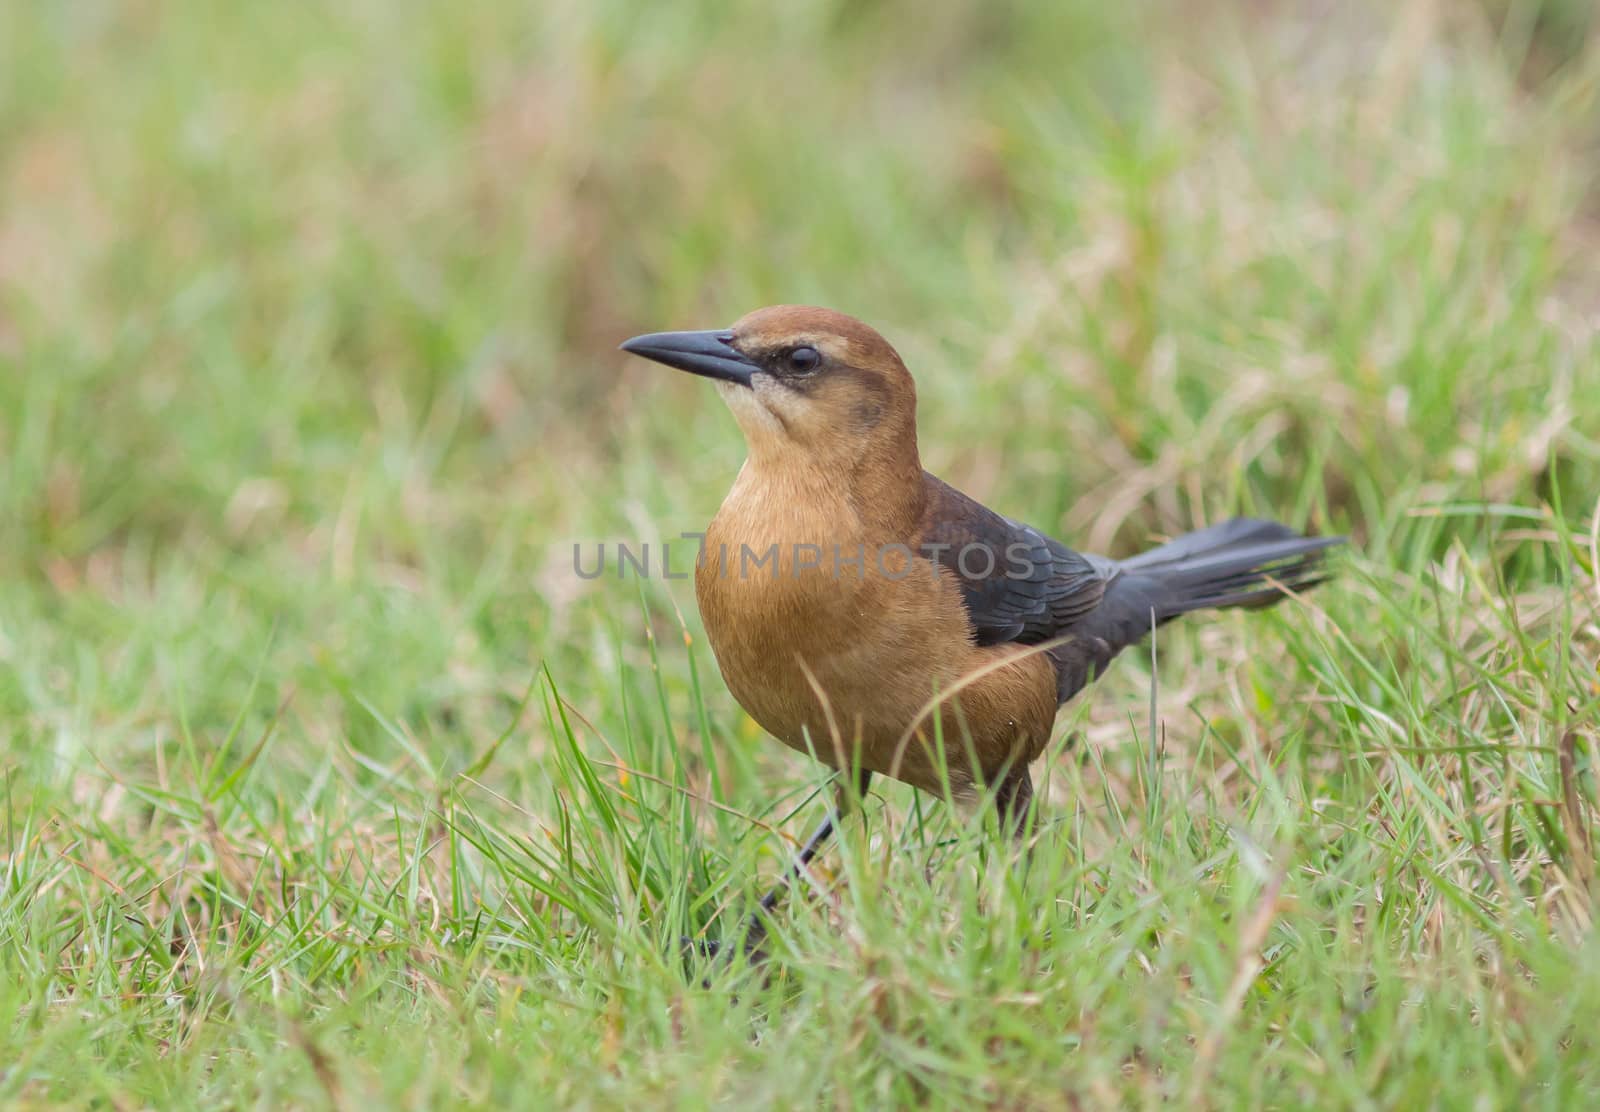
(749, 945)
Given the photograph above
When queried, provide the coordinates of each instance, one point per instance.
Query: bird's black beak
(711, 354)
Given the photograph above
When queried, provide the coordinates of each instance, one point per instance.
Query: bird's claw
(723, 949)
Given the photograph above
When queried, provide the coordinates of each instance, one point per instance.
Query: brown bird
(862, 610)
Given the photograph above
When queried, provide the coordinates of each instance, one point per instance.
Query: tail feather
(1239, 563)
(1214, 538)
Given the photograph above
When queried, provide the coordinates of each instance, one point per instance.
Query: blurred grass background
(308, 386)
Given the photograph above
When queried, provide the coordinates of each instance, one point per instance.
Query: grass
(327, 782)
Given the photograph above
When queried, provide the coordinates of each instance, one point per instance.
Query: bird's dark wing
(1017, 583)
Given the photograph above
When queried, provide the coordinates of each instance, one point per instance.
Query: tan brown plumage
(857, 661)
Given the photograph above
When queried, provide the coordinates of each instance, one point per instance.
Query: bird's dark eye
(804, 360)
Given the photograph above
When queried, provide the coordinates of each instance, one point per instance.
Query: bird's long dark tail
(1242, 562)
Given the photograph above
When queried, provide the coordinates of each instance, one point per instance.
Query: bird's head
(807, 386)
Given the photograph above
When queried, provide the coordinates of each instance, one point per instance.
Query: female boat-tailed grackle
(860, 608)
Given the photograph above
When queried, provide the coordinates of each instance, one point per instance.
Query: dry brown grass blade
(1574, 813)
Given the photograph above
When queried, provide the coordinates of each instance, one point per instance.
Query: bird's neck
(792, 549)
(876, 497)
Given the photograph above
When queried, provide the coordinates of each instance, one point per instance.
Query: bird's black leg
(819, 838)
(813, 846)
(1014, 800)
(756, 926)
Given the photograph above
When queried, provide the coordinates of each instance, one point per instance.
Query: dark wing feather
(1017, 583)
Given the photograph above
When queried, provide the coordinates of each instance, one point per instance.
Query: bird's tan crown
(835, 334)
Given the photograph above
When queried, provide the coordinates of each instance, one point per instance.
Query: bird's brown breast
(836, 636)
